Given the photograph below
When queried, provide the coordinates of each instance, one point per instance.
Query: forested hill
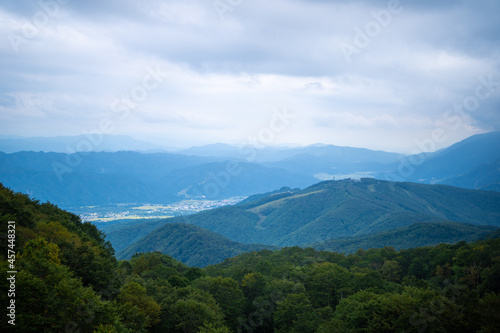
(68, 280)
(346, 208)
(415, 235)
(190, 244)
(63, 265)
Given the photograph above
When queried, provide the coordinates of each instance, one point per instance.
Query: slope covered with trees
(69, 281)
(190, 244)
(346, 208)
(416, 235)
(199, 247)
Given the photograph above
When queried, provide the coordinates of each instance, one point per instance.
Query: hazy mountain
(415, 235)
(129, 177)
(308, 160)
(332, 162)
(213, 181)
(344, 209)
(483, 177)
(190, 244)
(73, 144)
(216, 149)
(99, 178)
(471, 163)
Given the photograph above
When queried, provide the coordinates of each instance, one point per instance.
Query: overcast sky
(376, 74)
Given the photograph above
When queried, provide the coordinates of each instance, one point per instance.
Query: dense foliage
(416, 235)
(69, 281)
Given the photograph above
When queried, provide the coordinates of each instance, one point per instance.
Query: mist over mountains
(79, 143)
(221, 171)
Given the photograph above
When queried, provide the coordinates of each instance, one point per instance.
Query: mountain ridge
(416, 235)
(344, 209)
(189, 244)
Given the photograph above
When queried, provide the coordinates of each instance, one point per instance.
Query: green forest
(69, 280)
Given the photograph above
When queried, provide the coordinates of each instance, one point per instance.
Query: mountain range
(341, 216)
(345, 208)
(86, 179)
(471, 163)
(415, 235)
(220, 171)
(78, 143)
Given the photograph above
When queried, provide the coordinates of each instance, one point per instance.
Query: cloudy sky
(376, 74)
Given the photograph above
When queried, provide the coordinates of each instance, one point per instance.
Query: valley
(131, 211)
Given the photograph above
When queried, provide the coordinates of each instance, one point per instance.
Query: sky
(402, 76)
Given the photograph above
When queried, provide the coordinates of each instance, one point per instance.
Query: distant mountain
(289, 154)
(73, 144)
(323, 162)
(333, 162)
(129, 177)
(483, 177)
(415, 235)
(99, 178)
(471, 163)
(213, 181)
(190, 244)
(346, 208)
(214, 150)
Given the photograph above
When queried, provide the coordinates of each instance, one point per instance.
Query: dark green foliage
(227, 294)
(295, 314)
(416, 235)
(436, 289)
(68, 280)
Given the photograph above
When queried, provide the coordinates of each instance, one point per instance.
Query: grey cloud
(428, 58)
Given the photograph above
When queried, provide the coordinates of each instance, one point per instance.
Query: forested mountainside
(69, 280)
(345, 208)
(189, 244)
(199, 247)
(415, 235)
